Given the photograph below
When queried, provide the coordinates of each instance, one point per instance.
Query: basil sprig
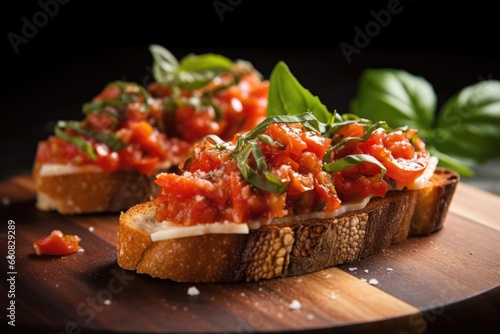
(191, 72)
(288, 97)
(462, 133)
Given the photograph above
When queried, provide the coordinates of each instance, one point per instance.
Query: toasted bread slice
(293, 246)
(87, 190)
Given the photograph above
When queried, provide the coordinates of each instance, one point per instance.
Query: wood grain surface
(447, 281)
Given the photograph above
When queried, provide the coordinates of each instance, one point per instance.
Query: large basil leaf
(397, 97)
(196, 71)
(468, 126)
(165, 65)
(192, 72)
(288, 97)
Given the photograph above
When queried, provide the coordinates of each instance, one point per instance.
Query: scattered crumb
(373, 281)
(310, 316)
(299, 280)
(328, 276)
(5, 201)
(193, 291)
(363, 279)
(295, 305)
(107, 302)
(242, 294)
(91, 228)
(333, 296)
(471, 253)
(353, 268)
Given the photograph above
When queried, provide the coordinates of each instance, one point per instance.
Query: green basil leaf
(468, 124)
(353, 160)
(196, 71)
(77, 141)
(307, 119)
(288, 97)
(165, 65)
(205, 62)
(196, 80)
(268, 183)
(397, 97)
(450, 162)
(115, 107)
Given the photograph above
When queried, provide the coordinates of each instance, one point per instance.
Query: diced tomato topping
(394, 151)
(212, 177)
(57, 243)
(155, 126)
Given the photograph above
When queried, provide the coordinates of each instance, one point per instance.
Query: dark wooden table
(449, 280)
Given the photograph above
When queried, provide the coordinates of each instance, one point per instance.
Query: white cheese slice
(60, 169)
(174, 232)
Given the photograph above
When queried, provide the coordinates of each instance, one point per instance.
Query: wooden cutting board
(450, 280)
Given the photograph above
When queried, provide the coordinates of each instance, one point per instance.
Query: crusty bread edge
(93, 192)
(286, 249)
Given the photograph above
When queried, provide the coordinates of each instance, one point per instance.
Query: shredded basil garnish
(109, 139)
(77, 141)
(115, 107)
(353, 160)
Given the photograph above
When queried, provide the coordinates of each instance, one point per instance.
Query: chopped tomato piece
(403, 163)
(57, 243)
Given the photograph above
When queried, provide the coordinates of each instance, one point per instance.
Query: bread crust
(292, 247)
(92, 192)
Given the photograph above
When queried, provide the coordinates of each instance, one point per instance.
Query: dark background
(80, 46)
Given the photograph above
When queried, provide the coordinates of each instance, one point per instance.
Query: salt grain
(333, 296)
(390, 269)
(366, 271)
(353, 268)
(107, 302)
(91, 228)
(193, 291)
(295, 305)
(373, 281)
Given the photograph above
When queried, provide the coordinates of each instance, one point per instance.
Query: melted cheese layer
(61, 169)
